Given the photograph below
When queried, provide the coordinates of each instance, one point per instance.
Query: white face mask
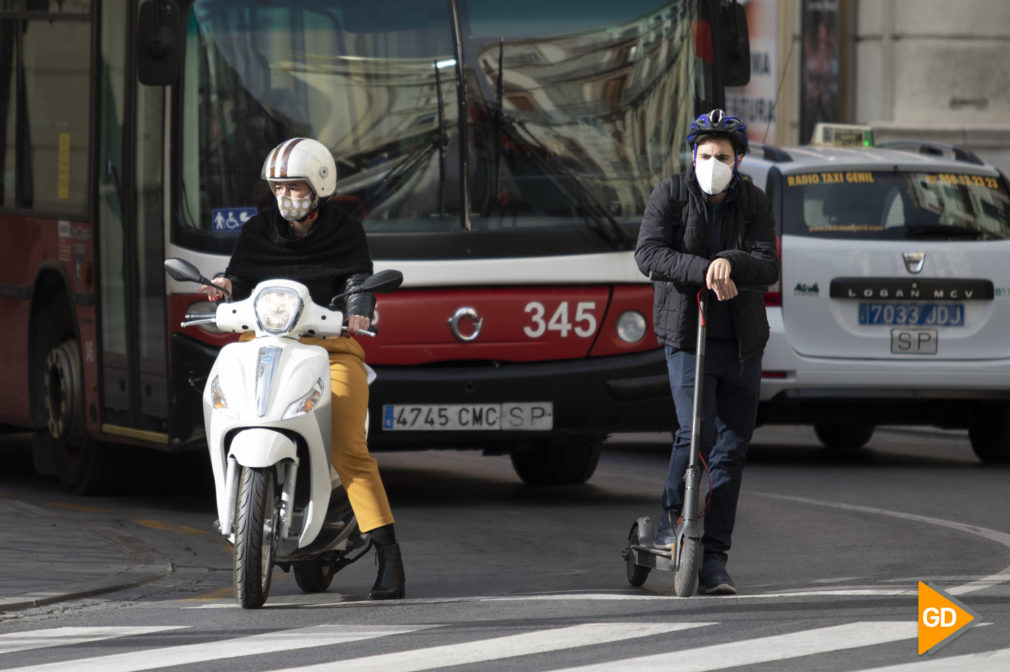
(713, 175)
(294, 208)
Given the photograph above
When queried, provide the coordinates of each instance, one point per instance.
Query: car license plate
(912, 314)
(914, 341)
(508, 416)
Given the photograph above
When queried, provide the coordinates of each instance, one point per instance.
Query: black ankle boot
(389, 584)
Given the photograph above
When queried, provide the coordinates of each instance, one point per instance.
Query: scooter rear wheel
(636, 573)
(685, 577)
(313, 576)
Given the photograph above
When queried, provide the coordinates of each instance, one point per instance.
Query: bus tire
(558, 461)
(80, 461)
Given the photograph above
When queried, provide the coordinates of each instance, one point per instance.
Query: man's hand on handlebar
(213, 293)
(717, 279)
(356, 323)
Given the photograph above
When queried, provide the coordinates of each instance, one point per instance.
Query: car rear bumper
(919, 390)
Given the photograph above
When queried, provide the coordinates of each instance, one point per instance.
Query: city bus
(500, 154)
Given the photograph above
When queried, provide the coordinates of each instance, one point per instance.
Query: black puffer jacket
(672, 244)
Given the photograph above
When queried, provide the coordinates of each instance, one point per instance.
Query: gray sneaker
(713, 578)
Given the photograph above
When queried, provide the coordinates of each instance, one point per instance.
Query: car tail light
(773, 297)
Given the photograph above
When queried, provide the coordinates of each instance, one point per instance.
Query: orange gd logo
(941, 618)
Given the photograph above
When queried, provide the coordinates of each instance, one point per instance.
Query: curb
(141, 564)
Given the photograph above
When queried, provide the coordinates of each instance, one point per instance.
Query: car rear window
(895, 205)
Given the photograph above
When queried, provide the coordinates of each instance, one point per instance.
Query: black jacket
(672, 244)
(331, 259)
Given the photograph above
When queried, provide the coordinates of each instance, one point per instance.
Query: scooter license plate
(508, 416)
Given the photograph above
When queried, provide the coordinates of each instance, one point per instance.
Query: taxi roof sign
(842, 135)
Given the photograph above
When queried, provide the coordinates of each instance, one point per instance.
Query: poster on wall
(819, 79)
(755, 103)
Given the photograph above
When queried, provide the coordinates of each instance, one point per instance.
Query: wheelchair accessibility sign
(230, 220)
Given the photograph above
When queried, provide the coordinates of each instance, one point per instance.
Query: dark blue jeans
(729, 411)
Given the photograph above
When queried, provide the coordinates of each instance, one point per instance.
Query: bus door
(130, 216)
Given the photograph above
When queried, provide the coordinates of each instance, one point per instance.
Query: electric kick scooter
(683, 557)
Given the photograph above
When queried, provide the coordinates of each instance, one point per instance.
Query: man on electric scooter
(306, 239)
(707, 227)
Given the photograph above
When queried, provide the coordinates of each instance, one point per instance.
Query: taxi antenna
(778, 91)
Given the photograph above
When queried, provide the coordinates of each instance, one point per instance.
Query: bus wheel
(558, 461)
(80, 460)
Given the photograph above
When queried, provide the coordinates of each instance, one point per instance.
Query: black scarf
(334, 248)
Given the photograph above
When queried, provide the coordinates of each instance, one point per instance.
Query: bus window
(54, 61)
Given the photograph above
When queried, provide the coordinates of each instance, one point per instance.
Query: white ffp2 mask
(713, 175)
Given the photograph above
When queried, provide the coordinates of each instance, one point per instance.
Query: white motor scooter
(267, 417)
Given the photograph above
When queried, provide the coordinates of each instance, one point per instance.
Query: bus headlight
(277, 309)
(306, 404)
(631, 326)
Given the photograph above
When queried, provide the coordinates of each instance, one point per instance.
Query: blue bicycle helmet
(721, 125)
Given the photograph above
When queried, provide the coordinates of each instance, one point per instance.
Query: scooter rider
(305, 239)
(707, 227)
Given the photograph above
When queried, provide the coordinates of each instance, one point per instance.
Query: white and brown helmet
(302, 159)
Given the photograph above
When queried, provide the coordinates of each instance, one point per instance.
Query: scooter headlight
(277, 309)
(306, 404)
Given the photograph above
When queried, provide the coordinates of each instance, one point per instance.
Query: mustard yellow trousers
(357, 469)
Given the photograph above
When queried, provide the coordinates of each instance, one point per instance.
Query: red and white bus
(499, 153)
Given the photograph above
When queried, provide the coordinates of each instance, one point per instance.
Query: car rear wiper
(913, 230)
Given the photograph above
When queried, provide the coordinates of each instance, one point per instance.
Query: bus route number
(564, 320)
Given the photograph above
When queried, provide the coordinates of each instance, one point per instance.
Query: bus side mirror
(159, 42)
(735, 45)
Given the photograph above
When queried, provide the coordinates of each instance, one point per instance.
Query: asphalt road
(828, 555)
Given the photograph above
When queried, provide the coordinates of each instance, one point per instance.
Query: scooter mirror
(383, 281)
(182, 270)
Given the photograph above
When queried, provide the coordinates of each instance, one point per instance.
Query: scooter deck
(649, 556)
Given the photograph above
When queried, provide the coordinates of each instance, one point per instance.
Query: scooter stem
(692, 475)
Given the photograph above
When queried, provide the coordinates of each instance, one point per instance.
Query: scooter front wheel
(685, 577)
(255, 537)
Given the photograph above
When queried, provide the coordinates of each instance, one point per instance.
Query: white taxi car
(894, 301)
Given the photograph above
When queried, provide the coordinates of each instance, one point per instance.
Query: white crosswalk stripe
(731, 654)
(770, 649)
(270, 642)
(977, 662)
(542, 641)
(41, 639)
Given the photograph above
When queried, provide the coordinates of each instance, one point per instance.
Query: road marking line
(997, 536)
(765, 649)
(253, 645)
(41, 639)
(498, 648)
(175, 527)
(988, 660)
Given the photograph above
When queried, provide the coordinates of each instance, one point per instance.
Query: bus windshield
(574, 111)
